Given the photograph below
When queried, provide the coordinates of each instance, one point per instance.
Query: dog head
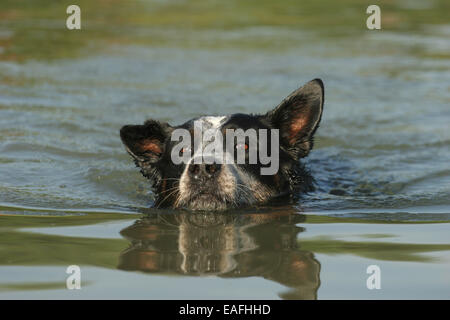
(219, 162)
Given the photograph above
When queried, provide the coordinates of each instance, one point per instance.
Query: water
(69, 193)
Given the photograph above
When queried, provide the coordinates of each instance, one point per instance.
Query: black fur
(297, 118)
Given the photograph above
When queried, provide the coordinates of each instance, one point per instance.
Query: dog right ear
(298, 116)
(145, 143)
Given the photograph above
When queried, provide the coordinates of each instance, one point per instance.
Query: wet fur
(297, 117)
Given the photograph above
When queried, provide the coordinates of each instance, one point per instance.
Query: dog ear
(298, 116)
(146, 143)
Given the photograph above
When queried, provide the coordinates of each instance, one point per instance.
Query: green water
(70, 195)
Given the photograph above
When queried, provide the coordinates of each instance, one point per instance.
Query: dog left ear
(146, 143)
(298, 116)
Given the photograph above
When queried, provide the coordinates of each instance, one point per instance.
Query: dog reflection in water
(226, 245)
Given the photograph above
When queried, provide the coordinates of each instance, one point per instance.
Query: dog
(205, 183)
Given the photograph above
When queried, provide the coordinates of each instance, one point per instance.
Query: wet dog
(186, 175)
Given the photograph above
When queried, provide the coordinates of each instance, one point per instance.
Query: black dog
(208, 185)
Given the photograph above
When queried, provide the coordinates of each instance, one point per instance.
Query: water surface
(69, 193)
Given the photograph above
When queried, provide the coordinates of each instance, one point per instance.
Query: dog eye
(241, 146)
(186, 149)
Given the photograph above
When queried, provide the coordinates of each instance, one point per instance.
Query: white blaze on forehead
(212, 122)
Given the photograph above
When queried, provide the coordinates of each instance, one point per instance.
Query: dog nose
(204, 170)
